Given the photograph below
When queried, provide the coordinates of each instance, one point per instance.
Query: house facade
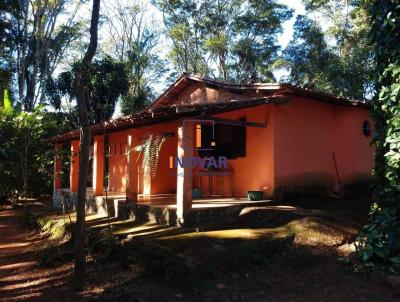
(221, 139)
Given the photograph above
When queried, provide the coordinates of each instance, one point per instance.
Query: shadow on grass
(193, 260)
(171, 272)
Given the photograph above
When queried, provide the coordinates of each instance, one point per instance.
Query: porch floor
(168, 201)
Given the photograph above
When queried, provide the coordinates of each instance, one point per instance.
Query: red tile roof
(161, 110)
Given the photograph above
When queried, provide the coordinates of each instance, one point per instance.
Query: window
(223, 140)
(366, 128)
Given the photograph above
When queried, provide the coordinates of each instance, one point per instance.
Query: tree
(7, 61)
(26, 164)
(81, 80)
(225, 39)
(38, 44)
(256, 49)
(135, 42)
(339, 58)
(109, 80)
(379, 242)
(183, 21)
(217, 32)
(308, 57)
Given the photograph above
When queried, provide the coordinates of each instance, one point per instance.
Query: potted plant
(197, 193)
(255, 195)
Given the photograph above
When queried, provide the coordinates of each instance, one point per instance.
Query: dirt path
(20, 279)
(305, 270)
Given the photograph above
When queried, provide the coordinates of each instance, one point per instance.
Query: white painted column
(184, 177)
(98, 165)
(132, 170)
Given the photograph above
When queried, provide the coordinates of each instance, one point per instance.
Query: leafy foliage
(26, 164)
(36, 42)
(108, 81)
(380, 239)
(338, 58)
(256, 48)
(183, 21)
(150, 148)
(226, 39)
(135, 41)
(144, 67)
(308, 57)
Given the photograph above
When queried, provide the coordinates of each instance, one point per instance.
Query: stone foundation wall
(63, 199)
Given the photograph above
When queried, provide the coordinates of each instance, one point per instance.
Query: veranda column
(57, 186)
(73, 178)
(146, 184)
(184, 172)
(57, 167)
(98, 165)
(132, 170)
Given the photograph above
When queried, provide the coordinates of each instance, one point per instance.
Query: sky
(298, 8)
(287, 34)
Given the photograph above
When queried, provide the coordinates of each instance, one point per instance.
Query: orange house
(221, 140)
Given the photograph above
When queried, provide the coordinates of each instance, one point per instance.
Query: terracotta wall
(74, 166)
(117, 161)
(253, 172)
(308, 132)
(256, 170)
(165, 179)
(295, 149)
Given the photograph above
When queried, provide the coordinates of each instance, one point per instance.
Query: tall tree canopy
(183, 21)
(7, 62)
(227, 39)
(39, 42)
(108, 81)
(336, 58)
(256, 48)
(308, 57)
(134, 40)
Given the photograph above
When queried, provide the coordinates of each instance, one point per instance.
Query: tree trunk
(25, 168)
(81, 79)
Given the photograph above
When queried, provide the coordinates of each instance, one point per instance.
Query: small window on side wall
(366, 128)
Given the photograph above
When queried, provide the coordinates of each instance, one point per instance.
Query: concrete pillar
(57, 167)
(146, 184)
(184, 173)
(98, 165)
(132, 169)
(74, 168)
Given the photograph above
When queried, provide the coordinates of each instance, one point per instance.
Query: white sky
(298, 7)
(287, 34)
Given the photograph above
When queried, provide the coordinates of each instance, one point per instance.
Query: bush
(379, 241)
(102, 241)
(55, 227)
